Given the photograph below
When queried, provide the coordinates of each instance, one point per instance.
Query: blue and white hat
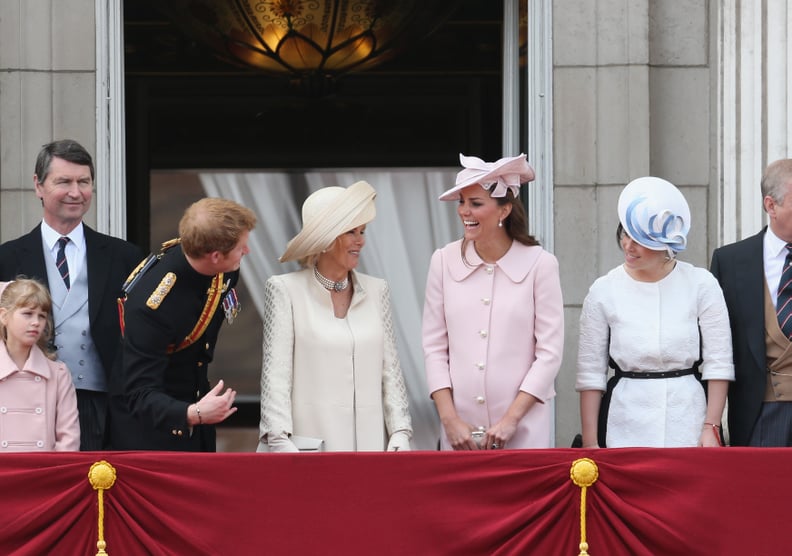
(655, 214)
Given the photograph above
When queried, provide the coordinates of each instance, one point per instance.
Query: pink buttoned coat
(38, 405)
(493, 330)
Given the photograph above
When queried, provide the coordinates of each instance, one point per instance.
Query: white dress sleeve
(594, 340)
(716, 342)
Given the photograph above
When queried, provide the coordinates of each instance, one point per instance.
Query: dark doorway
(187, 109)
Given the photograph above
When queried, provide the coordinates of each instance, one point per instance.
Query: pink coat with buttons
(38, 405)
(493, 330)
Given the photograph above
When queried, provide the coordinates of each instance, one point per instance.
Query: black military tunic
(156, 383)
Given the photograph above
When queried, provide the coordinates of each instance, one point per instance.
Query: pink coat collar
(37, 363)
(515, 264)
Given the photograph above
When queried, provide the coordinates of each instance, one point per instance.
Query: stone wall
(47, 91)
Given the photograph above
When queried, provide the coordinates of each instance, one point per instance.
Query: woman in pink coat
(38, 404)
(493, 323)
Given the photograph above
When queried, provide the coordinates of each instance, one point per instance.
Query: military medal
(231, 305)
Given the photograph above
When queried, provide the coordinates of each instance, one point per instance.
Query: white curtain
(410, 224)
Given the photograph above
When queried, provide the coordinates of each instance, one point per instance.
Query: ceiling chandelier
(307, 40)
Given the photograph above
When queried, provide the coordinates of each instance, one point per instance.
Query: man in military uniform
(172, 310)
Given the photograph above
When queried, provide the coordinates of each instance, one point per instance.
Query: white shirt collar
(774, 246)
(51, 237)
(774, 254)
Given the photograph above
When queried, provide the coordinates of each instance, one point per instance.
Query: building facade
(694, 91)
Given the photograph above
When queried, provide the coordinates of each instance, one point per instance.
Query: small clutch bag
(308, 444)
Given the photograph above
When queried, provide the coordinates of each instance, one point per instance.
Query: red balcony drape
(645, 502)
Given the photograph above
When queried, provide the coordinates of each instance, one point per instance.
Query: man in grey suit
(84, 271)
(755, 274)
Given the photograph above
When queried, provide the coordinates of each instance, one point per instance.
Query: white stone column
(510, 142)
(540, 119)
(110, 158)
(754, 107)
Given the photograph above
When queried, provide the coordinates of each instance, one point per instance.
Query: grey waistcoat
(73, 330)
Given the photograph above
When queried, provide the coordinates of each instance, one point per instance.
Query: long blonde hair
(25, 293)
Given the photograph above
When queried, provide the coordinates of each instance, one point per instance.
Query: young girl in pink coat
(493, 323)
(38, 404)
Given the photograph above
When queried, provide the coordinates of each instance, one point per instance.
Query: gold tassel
(102, 476)
(584, 473)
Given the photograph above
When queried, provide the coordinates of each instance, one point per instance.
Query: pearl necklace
(329, 284)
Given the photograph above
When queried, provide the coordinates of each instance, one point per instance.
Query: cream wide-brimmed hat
(496, 177)
(655, 214)
(326, 214)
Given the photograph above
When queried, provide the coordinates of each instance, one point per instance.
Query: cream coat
(330, 378)
(493, 330)
(38, 405)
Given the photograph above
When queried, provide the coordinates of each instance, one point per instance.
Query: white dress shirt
(774, 253)
(75, 249)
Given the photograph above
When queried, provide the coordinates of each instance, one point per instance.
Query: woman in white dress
(662, 324)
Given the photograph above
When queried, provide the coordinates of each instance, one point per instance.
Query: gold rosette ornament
(102, 476)
(584, 473)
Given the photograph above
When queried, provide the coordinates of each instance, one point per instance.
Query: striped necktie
(784, 303)
(60, 261)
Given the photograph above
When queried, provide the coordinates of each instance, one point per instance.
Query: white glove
(399, 442)
(281, 443)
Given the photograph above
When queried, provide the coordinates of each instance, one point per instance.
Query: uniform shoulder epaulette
(145, 265)
(162, 290)
(168, 244)
(135, 276)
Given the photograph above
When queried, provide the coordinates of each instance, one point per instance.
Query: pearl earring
(500, 223)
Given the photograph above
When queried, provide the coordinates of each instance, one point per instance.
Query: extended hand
(215, 406)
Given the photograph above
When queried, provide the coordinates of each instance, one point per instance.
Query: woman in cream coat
(493, 324)
(330, 369)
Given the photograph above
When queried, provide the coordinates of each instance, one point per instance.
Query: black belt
(602, 418)
(664, 374)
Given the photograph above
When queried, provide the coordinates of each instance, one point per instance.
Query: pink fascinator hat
(496, 177)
